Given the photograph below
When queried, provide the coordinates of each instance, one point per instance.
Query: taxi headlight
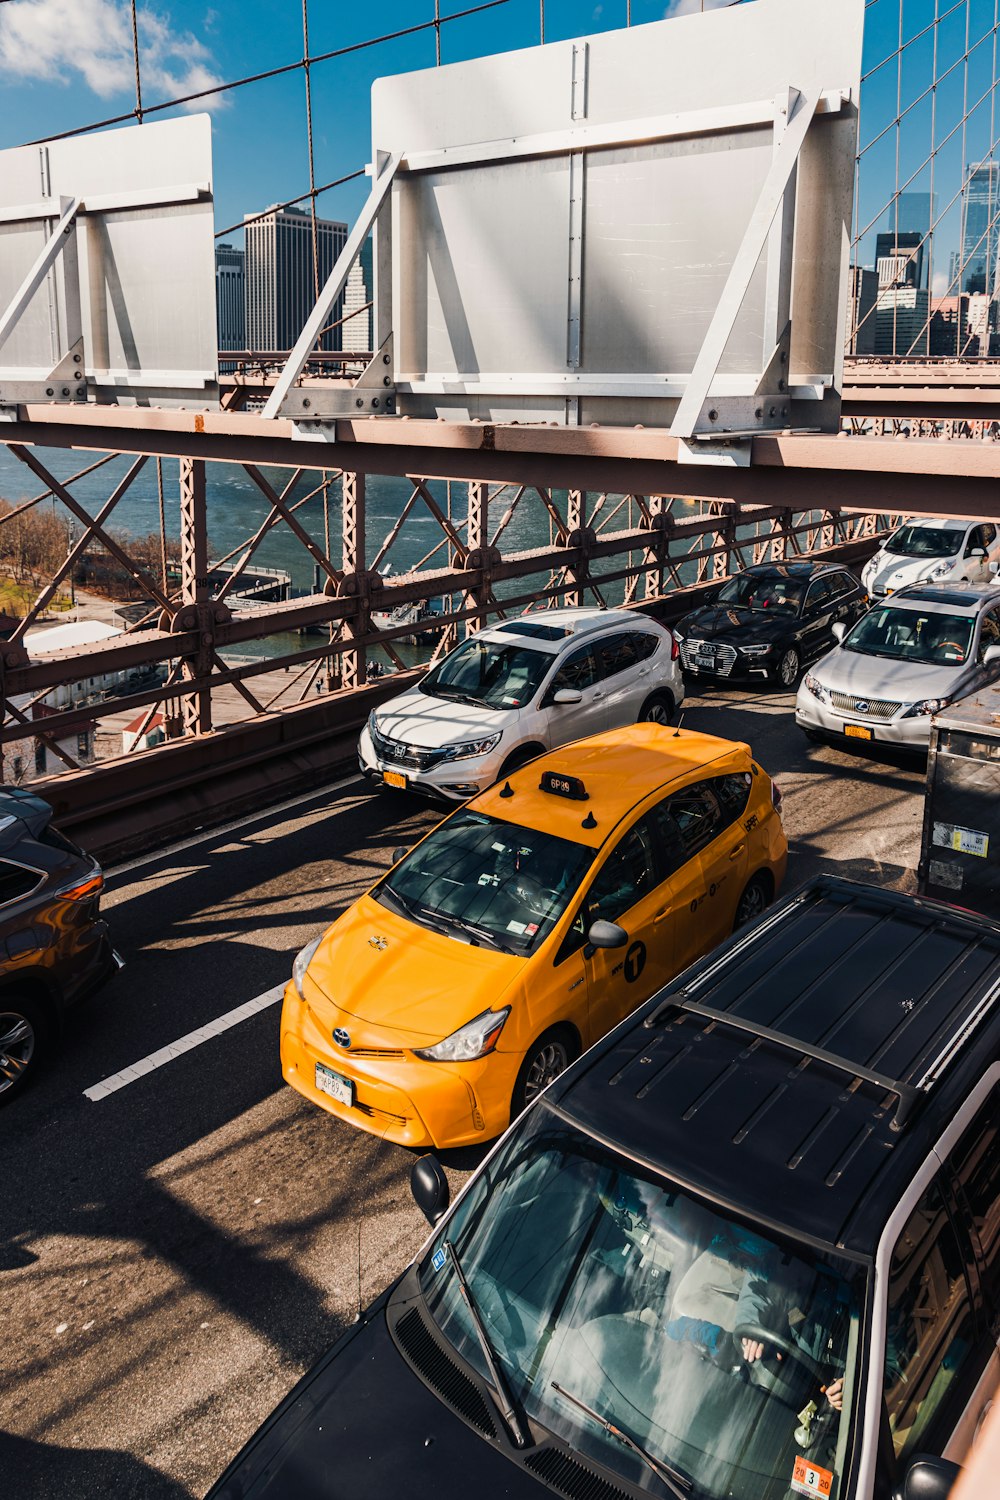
(813, 685)
(302, 961)
(473, 747)
(475, 1039)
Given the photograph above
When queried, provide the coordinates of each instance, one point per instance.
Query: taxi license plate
(329, 1082)
(394, 778)
(858, 732)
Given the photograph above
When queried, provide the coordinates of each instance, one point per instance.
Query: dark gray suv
(54, 947)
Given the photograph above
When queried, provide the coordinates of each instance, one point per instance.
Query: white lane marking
(113, 871)
(183, 1044)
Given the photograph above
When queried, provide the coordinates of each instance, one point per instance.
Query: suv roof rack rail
(906, 1094)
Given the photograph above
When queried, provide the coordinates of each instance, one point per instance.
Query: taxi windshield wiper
(505, 1400)
(679, 1483)
(412, 909)
(464, 925)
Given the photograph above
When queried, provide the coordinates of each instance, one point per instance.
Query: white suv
(931, 549)
(516, 689)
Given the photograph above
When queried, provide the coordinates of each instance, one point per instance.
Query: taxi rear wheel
(545, 1059)
(756, 898)
(657, 709)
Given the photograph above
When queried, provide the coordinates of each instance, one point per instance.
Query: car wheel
(755, 900)
(545, 1059)
(787, 670)
(657, 709)
(518, 758)
(24, 1038)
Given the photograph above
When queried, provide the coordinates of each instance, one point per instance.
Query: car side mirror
(839, 630)
(978, 552)
(567, 695)
(400, 852)
(429, 1187)
(994, 568)
(929, 1478)
(604, 935)
(992, 654)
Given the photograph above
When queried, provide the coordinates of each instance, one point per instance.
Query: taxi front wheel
(757, 896)
(545, 1059)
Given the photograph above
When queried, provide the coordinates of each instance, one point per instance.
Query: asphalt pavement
(179, 1241)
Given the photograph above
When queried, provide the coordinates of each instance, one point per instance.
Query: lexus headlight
(475, 1039)
(926, 706)
(813, 685)
(302, 961)
(473, 747)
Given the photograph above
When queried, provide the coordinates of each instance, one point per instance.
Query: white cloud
(941, 285)
(62, 41)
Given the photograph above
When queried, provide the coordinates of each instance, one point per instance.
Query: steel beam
(197, 705)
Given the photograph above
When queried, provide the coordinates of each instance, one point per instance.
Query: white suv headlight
(472, 747)
(302, 961)
(475, 1039)
(941, 569)
(813, 685)
(926, 706)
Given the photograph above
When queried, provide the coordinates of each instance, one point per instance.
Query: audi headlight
(756, 650)
(475, 1039)
(302, 961)
(813, 685)
(926, 706)
(473, 747)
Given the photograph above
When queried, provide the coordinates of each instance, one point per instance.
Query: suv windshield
(760, 592)
(492, 674)
(478, 878)
(924, 541)
(707, 1343)
(912, 635)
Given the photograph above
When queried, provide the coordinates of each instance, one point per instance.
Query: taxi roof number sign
(564, 786)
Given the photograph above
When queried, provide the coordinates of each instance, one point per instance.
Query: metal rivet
(375, 402)
(387, 380)
(359, 402)
(713, 415)
(385, 359)
(49, 391)
(307, 403)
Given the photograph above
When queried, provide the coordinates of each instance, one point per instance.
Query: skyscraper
(862, 289)
(980, 227)
(280, 280)
(230, 310)
(358, 291)
(899, 259)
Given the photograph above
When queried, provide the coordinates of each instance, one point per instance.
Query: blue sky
(64, 63)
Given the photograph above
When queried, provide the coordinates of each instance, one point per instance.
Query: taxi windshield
(760, 592)
(912, 635)
(485, 881)
(925, 541)
(489, 674)
(723, 1355)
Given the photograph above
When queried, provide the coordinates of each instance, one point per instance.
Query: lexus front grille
(866, 708)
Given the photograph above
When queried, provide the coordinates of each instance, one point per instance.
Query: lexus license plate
(394, 778)
(858, 732)
(338, 1087)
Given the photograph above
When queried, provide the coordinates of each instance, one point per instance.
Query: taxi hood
(394, 975)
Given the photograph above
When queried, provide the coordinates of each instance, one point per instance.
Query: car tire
(25, 1038)
(657, 709)
(544, 1060)
(787, 671)
(518, 758)
(758, 893)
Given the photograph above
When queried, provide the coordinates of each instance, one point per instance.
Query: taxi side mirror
(400, 852)
(929, 1478)
(568, 695)
(604, 935)
(429, 1187)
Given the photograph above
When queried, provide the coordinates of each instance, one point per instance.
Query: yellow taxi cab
(525, 926)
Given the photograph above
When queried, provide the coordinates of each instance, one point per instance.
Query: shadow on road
(40, 1471)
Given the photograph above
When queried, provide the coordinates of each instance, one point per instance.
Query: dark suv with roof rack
(747, 1246)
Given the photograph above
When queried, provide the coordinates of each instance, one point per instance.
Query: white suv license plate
(339, 1088)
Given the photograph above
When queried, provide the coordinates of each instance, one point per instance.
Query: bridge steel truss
(608, 499)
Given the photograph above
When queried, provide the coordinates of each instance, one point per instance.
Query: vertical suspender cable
(163, 525)
(309, 139)
(437, 32)
(135, 54)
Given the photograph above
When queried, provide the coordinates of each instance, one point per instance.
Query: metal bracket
(364, 586)
(65, 382)
(372, 392)
(732, 454)
(202, 617)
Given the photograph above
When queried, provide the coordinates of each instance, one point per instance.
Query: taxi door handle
(663, 912)
(735, 853)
